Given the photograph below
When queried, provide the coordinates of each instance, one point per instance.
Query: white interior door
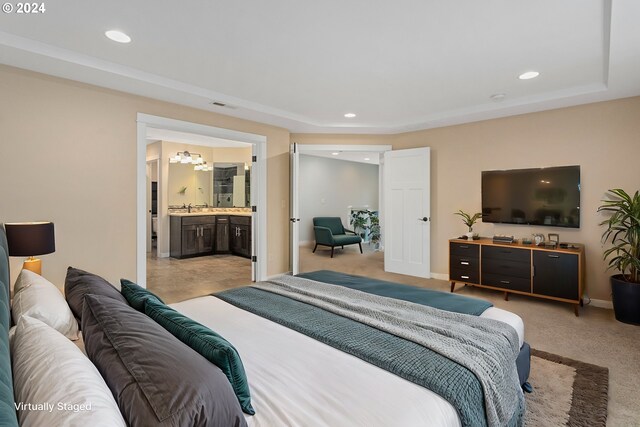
(148, 217)
(295, 210)
(407, 207)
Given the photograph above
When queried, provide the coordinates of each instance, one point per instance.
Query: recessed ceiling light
(497, 97)
(528, 75)
(335, 154)
(117, 36)
(350, 115)
(366, 158)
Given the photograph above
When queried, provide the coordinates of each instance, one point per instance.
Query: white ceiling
(400, 66)
(349, 156)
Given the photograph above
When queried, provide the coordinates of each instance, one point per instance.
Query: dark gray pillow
(156, 379)
(79, 283)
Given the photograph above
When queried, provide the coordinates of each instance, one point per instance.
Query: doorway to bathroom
(203, 214)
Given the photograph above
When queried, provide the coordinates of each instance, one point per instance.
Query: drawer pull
(506, 282)
(506, 252)
(553, 256)
(464, 246)
(465, 277)
(464, 263)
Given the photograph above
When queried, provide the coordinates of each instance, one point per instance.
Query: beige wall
(69, 156)
(603, 138)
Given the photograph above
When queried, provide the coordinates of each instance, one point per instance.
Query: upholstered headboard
(7, 408)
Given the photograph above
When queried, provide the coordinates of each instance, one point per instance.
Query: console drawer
(464, 250)
(464, 263)
(506, 253)
(467, 276)
(506, 268)
(507, 282)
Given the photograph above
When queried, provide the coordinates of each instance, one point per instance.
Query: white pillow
(51, 371)
(35, 296)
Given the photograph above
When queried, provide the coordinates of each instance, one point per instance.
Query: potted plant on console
(469, 221)
(623, 229)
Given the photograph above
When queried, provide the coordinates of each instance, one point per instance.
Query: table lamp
(30, 239)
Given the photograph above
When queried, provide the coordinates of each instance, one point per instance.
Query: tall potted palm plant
(623, 230)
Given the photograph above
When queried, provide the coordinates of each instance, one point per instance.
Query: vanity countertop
(210, 213)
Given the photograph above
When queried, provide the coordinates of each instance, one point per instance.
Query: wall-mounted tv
(545, 196)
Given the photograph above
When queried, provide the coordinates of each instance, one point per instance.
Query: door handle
(294, 219)
(424, 219)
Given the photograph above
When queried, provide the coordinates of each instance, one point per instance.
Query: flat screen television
(545, 196)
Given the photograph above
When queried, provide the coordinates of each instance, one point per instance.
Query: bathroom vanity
(198, 234)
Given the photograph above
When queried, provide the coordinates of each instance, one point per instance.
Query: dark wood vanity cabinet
(210, 234)
(191, 235)
(240, 240)
(222, 234)
(552, 273)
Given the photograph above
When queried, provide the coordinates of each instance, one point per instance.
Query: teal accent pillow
(136, 295)
(210, 345)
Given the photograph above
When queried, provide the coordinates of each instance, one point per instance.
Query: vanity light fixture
(117, 36)
(186, 157)
(203, 167)
(335, 153)
(529, 75)
(367, 159)
(350, 115)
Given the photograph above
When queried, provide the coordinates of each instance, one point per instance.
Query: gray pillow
(156, 379)
(79, 283)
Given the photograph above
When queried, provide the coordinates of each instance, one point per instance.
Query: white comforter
(298, 381)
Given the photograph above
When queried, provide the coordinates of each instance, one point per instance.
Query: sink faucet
(189, 208)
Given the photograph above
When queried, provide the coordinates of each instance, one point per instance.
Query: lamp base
(33, 264)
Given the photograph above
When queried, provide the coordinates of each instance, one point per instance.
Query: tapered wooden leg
(576, 310)
(332, 251)
(581, 302)
(453, 286)
(506, 296)
(342, 246)
(314, 248)
(360, 245)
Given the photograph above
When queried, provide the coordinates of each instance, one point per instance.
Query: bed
(294, 376)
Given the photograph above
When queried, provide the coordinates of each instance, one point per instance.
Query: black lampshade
(30, 238)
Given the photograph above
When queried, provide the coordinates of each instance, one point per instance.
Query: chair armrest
(349, 231)
(323, 235)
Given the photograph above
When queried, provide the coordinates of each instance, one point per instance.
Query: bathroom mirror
(188, 186)
(231, 185)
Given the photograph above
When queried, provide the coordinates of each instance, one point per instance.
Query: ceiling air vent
(223, 105)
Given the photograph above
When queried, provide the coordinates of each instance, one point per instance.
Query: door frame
(295, 187)
(258, 193)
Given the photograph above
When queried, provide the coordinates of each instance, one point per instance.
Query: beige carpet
(566, 392)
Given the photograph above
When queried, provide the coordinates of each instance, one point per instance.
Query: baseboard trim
(305, 243)
(440, 276)
(601, 303)
(164, 255)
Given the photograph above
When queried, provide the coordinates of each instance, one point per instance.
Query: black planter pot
(626, 300)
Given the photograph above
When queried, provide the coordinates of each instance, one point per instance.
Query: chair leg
(314, 248)
(332, 251)
(360, 245)
(342, 246)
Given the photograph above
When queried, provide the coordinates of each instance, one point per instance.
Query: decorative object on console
(31, 239)
(501, 238)
(469, 221)
(623, 228)
(554, 239)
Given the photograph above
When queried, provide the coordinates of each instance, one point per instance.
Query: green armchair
(330, 232)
